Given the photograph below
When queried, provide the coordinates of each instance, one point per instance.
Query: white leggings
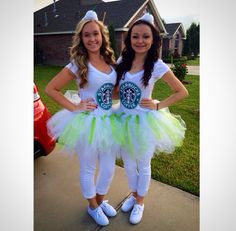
(106, 166)
(138, 173)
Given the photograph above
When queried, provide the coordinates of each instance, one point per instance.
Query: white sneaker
(128, 204)
(98, 215)
(108, 209)
(136, 214)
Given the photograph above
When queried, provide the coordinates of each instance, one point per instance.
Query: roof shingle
(71, 11)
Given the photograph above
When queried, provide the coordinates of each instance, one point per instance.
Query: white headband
(90, 15)
(148, 18)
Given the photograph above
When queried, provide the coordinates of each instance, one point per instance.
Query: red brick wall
(120, 36)
(52, 49)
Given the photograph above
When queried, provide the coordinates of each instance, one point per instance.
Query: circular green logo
(104, 96)
(130, 95)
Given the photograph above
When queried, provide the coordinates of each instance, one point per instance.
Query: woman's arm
(178, 89)
(57, 83)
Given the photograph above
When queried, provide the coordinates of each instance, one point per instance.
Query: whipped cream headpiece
(90, 15)
(147, 17)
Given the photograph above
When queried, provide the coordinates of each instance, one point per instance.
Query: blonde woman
(87, 126)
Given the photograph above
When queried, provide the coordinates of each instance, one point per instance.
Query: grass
(180, 169)
(42, 75)
(193, 62)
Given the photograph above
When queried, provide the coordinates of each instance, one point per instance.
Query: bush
(168, 59)
(184, 58)
(180, 69)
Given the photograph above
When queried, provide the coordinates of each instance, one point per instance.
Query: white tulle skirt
(152, 132)
(86, 132)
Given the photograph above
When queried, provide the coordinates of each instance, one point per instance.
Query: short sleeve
(160, 68)
(72, 67)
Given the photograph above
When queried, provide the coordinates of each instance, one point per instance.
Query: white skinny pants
(138, 173)
(106, 166)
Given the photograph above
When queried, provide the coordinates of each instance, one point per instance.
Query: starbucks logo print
(104, 96)
(130, 95)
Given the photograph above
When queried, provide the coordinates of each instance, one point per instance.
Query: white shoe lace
(99, 213)
(136, 210)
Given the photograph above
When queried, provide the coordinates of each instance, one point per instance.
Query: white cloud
(38, 4)
(178, 8)
(185, 11)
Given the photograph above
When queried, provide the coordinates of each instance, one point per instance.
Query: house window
(176, 41)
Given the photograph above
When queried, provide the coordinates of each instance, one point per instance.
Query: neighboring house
(54, 25)
(173, 41)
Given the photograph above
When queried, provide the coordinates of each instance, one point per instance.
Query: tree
(191, 44)
(112, 38)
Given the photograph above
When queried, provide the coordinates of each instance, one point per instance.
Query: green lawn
(180, 169)
(193, 62)
(42, 75)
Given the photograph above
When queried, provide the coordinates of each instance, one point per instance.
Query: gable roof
(173, 28)
(69, 12)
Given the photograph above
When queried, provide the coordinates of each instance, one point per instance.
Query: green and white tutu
(87, 132)
(150, 132)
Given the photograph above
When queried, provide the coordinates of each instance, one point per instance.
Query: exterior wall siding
(169, 45)
(52, 49)
(120, 36)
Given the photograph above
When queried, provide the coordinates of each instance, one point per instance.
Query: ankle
(139, 203)
(134, 194)
(92, 203)
(139, 200)
(93, 206)
(99, 198)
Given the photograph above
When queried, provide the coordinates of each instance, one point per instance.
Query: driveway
(59, 205)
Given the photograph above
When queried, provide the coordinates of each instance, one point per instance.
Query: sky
(184, 11)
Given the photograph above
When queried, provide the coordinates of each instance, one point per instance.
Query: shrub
(180, 69)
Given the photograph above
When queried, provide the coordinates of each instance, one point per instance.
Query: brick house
(173, 41)
(54, 25)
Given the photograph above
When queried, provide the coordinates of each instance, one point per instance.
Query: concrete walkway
(59, 205)
(193, 70)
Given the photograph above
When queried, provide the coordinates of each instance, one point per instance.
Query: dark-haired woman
(149, 127)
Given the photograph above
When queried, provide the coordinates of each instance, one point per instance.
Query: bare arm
(53, 90)
(178, 89)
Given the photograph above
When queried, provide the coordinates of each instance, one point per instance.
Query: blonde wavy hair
(79, 54)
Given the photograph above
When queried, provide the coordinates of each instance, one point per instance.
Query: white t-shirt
(99, 86)
(131, 88)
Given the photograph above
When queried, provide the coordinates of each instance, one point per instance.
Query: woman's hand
(86, 105)
(149, 103)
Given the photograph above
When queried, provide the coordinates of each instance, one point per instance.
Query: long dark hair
(128, 54)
